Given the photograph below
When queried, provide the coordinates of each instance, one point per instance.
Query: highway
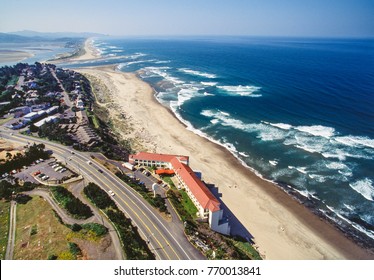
(166, 239)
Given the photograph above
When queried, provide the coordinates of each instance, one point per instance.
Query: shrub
(98, 196)
(72, 204)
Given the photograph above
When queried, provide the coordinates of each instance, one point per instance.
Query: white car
(111, 192)
(89, 162)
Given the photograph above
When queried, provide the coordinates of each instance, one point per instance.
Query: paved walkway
(12, 231)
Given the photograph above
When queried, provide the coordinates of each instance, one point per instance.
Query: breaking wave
(197, 73)
(364, 187)
(241, 90)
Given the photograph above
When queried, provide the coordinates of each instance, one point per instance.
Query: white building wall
(214, 219)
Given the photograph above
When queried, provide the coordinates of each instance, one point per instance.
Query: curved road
(166, 240)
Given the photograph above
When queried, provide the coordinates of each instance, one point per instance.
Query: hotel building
(207, 204)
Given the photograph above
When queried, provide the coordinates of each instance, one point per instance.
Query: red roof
(156, 157)
(165, 171)
(203, 195)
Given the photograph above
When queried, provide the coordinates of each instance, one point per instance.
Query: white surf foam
(349, 207)
(243, 154)
(273, 162)
(301, 170)
(281, 125)
(162, 61)
(241, 90)
(210, 84)
(317, 130)
(197, 73)
(318, 178)
(356, 141)
(364, 187)
(161, 71)
(186, 94)
(208, 94)
(336, 165)
(306, 193)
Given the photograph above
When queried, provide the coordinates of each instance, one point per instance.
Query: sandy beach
(281, 227)
(13, 56)
(89, 51)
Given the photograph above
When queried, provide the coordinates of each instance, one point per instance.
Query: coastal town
(42, 101)
(102, 141)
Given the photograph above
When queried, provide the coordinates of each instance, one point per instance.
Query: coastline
(282, 227)
(89, 51)
(14, 56)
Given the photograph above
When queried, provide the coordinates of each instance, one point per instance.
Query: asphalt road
(166, 239)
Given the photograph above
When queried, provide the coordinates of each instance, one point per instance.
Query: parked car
(37, 173)
(62, 170)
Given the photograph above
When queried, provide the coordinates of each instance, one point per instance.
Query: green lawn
(4, 226)
(188, 204)
(246, 248)
(168, 180)
(94, 119)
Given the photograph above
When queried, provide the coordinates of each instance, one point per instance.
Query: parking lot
(48, 171)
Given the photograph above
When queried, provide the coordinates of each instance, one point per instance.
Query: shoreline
(14, 56)
(282, 227)
(89, 51)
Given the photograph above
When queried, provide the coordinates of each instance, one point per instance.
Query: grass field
(167, 179)
(4, 226)
(39, 234)
(188, 204)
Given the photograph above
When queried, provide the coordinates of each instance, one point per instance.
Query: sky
(307, 18)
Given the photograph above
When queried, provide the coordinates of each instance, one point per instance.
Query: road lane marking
(135, 195)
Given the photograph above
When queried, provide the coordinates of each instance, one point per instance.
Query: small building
(30, 117)
(22, 110)
(50, 119)
(52, 110)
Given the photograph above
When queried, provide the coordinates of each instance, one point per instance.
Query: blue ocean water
(299, 112)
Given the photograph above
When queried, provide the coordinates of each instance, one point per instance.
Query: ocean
(298, 112)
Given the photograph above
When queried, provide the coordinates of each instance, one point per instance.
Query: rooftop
(203, 195)
(157, 157)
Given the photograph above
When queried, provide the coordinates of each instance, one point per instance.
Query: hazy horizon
(289, 18)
